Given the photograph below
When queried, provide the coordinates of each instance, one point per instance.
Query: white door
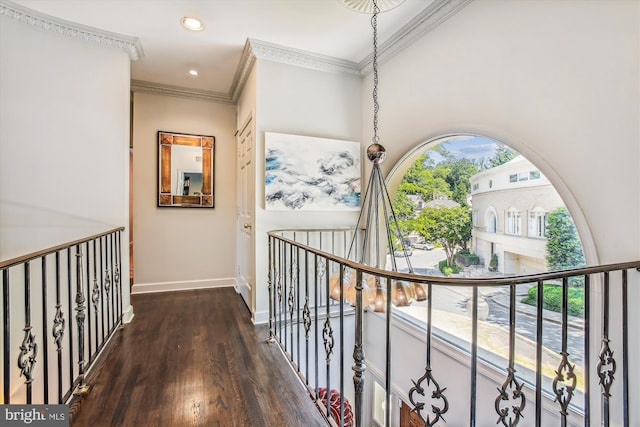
(245, 213)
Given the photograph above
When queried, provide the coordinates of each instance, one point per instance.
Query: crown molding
(301, 58)
(180, 92)
(435, 14)
(41, 21)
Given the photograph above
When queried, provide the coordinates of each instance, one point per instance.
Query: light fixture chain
(376, 107)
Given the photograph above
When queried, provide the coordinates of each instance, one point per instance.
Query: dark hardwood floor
(193, 358)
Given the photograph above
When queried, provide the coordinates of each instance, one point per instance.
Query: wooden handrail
(451, 281)
(33, 255)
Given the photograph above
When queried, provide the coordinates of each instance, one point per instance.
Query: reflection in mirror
(185, 170)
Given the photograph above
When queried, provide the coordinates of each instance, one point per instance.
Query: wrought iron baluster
(70, 310)
(509, 415)
(606, 364)
(564, 383)
(625, 349)
(359, 367)
(95, 294)
(292, 296)
(306, 312)
(319, 271)
(83, 388)
(6, 336)
(539, 330)
(341, 358)
(587, 350)
(438, 393)
(117, 279)
(280, 288)
(387, 380)
(29, 347)
(102, 288)
(271, 339)
(58, 327)
(327, 338)
(107, 282)
(87, 292)
(45, 344)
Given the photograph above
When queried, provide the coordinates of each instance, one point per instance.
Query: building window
(523, 176)
(476, 221)
(476, 186)
(537, 223)
(513, 178)
(534, 175)
(492, 223)
(490, 183)
(514, 222)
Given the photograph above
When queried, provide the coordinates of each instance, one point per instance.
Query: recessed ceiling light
(192, 24)
(193, 73)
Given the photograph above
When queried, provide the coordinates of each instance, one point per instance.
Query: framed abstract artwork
(311, 174)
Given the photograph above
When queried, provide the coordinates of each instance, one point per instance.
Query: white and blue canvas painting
(312, 174)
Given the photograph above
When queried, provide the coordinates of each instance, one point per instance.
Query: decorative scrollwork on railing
(321, 267)
(306, 315)
(564, 383)
(291, 301)
(511, 387)
(606, 368)
(58, 327)
(107, 282)
(293, 269)
(327, 338)
(95, 295)
(28, 353)
(438, 394)
(116, 277)
(279, 282)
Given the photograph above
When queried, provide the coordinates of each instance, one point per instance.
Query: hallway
(193, 358)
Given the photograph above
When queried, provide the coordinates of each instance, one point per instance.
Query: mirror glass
(185, 170)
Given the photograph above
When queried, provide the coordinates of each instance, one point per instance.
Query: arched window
(492, 220)
(513, 222)
(537, 222)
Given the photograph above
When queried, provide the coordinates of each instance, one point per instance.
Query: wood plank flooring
(193, 358)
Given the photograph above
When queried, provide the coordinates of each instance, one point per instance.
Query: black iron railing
(60, 306)
(562, 371)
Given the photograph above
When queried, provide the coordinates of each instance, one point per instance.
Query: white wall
(299, 101)
(64, 138)
(182, 248)
(64, 134)
(558, 81)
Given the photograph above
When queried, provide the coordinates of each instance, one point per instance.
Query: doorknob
(247, 225)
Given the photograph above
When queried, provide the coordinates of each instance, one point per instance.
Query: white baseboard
(145, 288)
(127, 315)
(260, 317)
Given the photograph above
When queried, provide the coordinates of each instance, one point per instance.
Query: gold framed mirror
(185, 170)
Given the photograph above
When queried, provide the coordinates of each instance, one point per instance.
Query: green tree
(451, 227)
(502, 155)
(420, 179)
(459, 174)
(564, 249)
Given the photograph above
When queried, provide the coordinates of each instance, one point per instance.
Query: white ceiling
(325, 27)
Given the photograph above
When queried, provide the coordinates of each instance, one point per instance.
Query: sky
(468, 147)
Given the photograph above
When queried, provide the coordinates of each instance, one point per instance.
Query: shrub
(552, 299)
(447, 269)
(467, 259)
(493, 264)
